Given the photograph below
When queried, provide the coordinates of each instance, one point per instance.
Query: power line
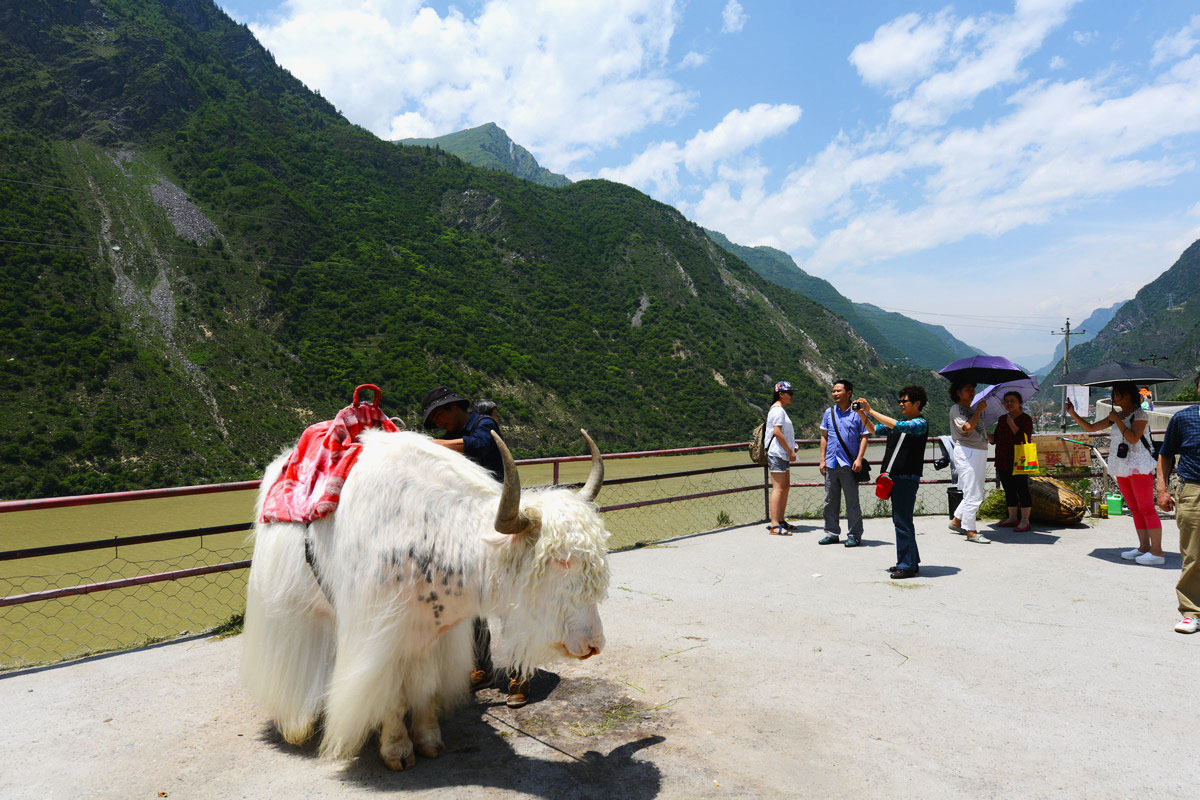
(964, 316)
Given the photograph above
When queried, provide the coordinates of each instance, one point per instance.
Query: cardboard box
(1053, 452)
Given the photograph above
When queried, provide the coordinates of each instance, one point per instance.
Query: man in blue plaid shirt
(1183, 440)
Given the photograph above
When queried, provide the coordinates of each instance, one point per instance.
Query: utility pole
(1066, 332)
(1153, 360)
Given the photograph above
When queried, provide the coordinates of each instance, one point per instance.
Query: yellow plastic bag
(1025, 459)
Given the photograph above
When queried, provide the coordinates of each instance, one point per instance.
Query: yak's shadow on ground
(1113, 554)
(584, 735)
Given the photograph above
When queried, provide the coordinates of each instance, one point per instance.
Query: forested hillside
(893, 335)
(1163, 319)
(200, 257)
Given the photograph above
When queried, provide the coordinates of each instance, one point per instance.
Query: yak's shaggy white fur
(407, 560)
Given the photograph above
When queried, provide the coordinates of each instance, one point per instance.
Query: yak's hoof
(396, 758)
(296, 736)
(431, 749)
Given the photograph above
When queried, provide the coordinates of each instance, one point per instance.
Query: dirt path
(739, 665)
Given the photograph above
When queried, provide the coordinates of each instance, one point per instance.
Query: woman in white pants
(970, 458)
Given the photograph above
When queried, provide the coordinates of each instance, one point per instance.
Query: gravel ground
(739, 665)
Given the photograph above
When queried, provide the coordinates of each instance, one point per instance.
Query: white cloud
(692, 59)
(733, 18)
(1178, 44)
(735, 133)
(868, 200)
(1084, 38)
(987, 52)
(656, 169)
(902, 51)
(1057, 62)
(563, 79)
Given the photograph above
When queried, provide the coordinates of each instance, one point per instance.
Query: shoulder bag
(864, 474)
(883, 486)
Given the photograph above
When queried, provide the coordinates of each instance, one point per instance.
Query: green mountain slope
(490, 147)
(894, 336)
(1162, 319)
(200, 257)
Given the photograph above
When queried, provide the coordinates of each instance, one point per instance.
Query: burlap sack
(1055, 502)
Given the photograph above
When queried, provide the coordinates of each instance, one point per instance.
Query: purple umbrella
(994, 395)
(982, 369)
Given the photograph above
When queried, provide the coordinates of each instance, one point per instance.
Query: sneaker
(979, 538)
(1187, 625)
(830, 538)
(1130, 555)
(1150, 560)
(853, 541)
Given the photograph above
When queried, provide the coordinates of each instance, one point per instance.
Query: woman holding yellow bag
(1012, 429)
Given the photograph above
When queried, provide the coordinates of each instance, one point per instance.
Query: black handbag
(864, 474)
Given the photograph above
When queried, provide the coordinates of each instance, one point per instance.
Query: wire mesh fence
(91, 617)
(59, 602)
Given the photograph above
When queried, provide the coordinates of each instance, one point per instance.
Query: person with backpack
(842, 461)
(779, 438)
(1132, 462)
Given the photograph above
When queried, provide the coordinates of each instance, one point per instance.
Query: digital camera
(1122, 449)
(856, 406)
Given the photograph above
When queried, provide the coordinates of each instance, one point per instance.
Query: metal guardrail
(676, 487)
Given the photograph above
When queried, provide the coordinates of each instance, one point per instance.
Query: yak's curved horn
(509, 518)
(592, 487)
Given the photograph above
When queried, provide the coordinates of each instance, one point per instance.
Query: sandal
(779, 530)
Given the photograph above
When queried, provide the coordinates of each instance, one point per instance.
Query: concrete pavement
(739, 664)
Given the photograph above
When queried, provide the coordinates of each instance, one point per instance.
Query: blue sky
(991, 166)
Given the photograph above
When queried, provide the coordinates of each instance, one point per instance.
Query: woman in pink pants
(1131, 462)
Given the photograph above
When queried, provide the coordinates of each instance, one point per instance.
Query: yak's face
(562, 578)
(581, 634)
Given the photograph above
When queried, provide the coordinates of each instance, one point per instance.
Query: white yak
(379, 623)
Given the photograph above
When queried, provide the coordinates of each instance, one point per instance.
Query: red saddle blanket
(310, 484)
